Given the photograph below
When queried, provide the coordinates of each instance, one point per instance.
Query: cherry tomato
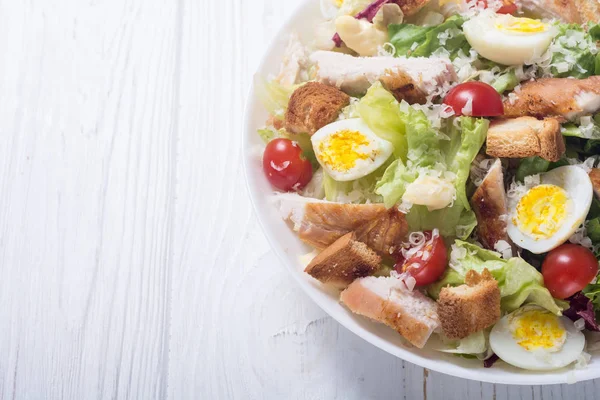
(285, 166)
(429, 263)
(485, 100)
(568, 269)
(509, 7)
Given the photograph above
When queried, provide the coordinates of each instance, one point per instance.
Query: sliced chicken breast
(571, 11)
(556, 97)
(355, 75)
(491, 208)
(387, 300)
(321, 223)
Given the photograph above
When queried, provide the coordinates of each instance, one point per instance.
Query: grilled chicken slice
(595, 178)
(355, 75)
(571, 11)
(321, 223)
(403, 87)
(386, 233)
(491, 209)
(387, 300)
(556, 97)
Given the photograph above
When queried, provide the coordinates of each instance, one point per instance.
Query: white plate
(288, 247)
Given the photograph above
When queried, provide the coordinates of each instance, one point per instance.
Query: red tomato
(509, 7)
(568, 269)
(285, 166)
(429, 263)
(485, 100)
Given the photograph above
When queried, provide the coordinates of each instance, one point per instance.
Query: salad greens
(575, 53)
(420, 41)
(519, 282)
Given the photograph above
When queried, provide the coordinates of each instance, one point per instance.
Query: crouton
(470, 308)
(312, 106)
(388, 300)
(411, 7)
(526, 137)
(344, 261)
(403, 87)
(595, 178)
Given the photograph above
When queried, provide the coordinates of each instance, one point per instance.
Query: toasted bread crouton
(403, 87)
(312, 106)
(387, 300)
(595, 178)
(343, 262)
(526, 137)
(469, 308)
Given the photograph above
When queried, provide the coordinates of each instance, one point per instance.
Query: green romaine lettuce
(273, 96)
(359, 191)
(420, 41)
(573, 50)
(519, 282)
(507, 81)
(531, 166)
(381, 112)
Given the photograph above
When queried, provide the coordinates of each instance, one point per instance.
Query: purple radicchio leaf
(368, 13)
(582, 307)
(489, 363)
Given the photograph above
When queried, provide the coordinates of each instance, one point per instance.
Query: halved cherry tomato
(484, 100)
(285, 166)
(509, 7)
(568, 269)
(429, 263)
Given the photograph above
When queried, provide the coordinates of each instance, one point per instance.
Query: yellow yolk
(342, 150)
(542, 211)
(520, 25)
(338, 2)
(538, 329)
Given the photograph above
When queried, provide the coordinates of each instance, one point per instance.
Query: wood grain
(132, 264)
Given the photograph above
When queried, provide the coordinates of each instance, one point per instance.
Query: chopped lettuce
(591, 130)
(429, 153)
(506, 81)
(420, 41)
(474, 345)
(574, 52)
(359, 191)
(273, 96)
(381, 112)
(519, 282)
(531, 166)
(471, 135)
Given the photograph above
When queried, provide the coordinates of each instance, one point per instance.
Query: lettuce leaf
(359, 191)
(505, 82)
(574, 49)
(273, 96)
(519, 282)
(427, 40)
(471, 135)
(381, 112)
(531, 166)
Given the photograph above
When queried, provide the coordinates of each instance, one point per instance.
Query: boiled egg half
(508, 40)
(535, 339)
(546, 215)
(349, 150)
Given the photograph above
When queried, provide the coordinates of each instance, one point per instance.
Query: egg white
(507, 48)
(576, 182)
(504, 346)
(362, 168)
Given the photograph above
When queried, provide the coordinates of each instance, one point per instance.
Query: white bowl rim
(519, 377)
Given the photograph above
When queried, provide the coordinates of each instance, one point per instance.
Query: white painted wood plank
(87, 165)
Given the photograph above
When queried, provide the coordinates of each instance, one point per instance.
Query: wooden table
(132, 264)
